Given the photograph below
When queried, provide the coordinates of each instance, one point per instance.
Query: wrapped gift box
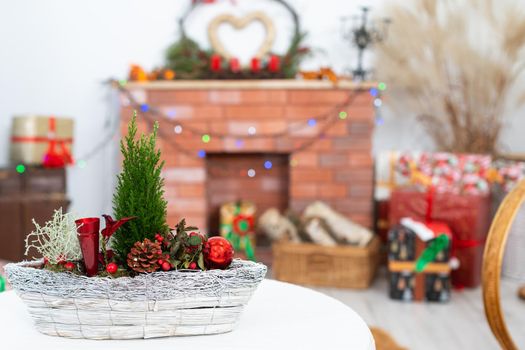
(35, 137)
(447, 172)
(507, 174)
(237, 224)
(468, 216)
(418, 261)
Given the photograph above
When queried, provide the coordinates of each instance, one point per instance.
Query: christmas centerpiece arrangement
(137, 278)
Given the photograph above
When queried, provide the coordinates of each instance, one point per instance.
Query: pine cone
(144, 256)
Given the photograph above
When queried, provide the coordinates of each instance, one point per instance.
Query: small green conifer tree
(139, 192)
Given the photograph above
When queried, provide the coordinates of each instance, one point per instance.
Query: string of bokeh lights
(206, 137)
(149, 112)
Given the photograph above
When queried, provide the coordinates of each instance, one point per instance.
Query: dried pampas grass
(455, 64)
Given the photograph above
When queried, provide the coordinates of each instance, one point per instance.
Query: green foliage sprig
(139, 192)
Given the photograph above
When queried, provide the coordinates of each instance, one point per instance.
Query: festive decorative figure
(255, 65)
(88, 236)
(274, 64)
(218, 253)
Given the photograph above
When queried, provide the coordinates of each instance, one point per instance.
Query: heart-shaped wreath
(186, 58)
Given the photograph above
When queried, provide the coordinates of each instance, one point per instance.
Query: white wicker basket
(159, 304)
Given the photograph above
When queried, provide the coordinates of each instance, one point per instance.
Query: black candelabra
(363, 32)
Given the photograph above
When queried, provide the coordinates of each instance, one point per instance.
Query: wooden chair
(492, 261)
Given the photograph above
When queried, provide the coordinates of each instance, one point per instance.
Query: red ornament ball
(69, 266)
(166, 266)
(112, 268)
(218, 253)
(193, 265)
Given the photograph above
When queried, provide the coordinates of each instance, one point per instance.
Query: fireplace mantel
(335, 168)
(269, 84)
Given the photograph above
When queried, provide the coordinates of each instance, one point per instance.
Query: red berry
(112, 268)
(167, 256)
(69, 266)
(160, 262)
(166, 266)
(193, 265)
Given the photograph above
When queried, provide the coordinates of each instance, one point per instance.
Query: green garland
(189, 61)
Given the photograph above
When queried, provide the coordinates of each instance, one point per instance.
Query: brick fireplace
(337, 168)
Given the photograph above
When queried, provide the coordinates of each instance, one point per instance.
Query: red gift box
(467, 215)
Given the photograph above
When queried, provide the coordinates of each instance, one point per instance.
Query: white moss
(57, 239)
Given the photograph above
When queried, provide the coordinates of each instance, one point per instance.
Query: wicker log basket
(160, 304)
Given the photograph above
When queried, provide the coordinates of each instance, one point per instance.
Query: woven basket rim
(24, 277)
(237, 265)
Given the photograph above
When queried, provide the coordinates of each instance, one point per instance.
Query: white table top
(279, 316)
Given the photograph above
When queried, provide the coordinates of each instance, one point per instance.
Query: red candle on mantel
(215, 63)
(256, 65)
(88, 236)
(235, 66)
(274, 64)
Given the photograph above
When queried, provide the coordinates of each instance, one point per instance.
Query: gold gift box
(31, 136)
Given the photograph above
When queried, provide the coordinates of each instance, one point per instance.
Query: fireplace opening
(260, 178)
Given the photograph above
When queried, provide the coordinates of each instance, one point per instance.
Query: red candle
(235, 66)
(88, 236)
(274, 64)
(215, 63)
(256, 65)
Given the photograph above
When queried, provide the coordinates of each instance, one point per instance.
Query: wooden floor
(459, 324)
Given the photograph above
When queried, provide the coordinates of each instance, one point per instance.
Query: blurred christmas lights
(252, 130)
(381, 86)
(201, 153)
(268, 165)
(251, 173)
(343, 115)
(312, 122)
(20, 168)
(206, 138)
(177, 129)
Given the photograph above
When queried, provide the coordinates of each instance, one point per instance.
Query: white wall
(55, 54)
